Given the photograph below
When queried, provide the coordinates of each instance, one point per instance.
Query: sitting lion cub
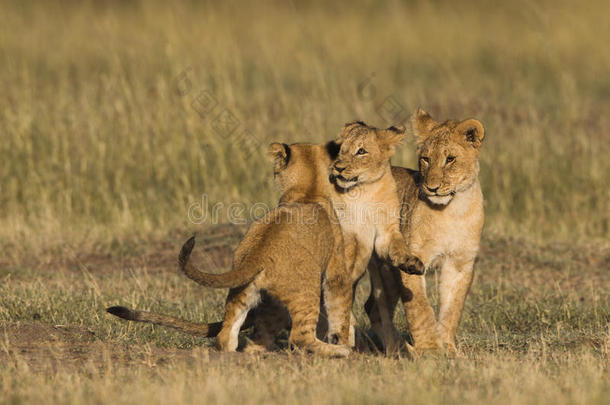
(442, 220)
(288, 254)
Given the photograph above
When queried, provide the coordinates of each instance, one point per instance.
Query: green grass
(515, 303)
(534, 330)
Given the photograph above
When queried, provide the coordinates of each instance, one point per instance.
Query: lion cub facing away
(289, 254)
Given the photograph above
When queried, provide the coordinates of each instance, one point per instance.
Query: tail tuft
(123, 312)
(185, 252)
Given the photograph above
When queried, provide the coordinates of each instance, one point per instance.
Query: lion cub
(289, 254)
(442, 221)
(366, 201)
(369, 218)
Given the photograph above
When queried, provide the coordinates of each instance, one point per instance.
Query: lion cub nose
(432, 189)
(339, 169)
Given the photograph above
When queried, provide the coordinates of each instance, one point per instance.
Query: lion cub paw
(401, 258)
(398, 252)
(341, 351)
(254, 348)
(413, 266)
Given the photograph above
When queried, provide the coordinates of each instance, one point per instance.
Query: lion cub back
(293, 241)
(296, 246)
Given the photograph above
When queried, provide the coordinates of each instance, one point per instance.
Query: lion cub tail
(192, 328)
(240, 275)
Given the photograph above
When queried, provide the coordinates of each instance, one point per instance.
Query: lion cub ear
(349, 127)
(392, 136)
(279, 155)
(422, 124)
(473, 131)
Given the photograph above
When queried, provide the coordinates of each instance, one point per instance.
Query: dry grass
(535, 330)
(491, 378)
(108, 135)
(99, 147)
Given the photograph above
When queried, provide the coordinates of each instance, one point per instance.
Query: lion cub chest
(368, 216)
(451, 232)
(357, 219)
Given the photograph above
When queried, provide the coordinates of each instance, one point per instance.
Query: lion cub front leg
(455, 280)
(420, 315)
(380, 306)
(354, 268)
(337, 289)
(393, 247)
(304, 310)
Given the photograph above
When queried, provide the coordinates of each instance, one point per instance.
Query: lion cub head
(448, 155)
(364, 155)
(301, 169)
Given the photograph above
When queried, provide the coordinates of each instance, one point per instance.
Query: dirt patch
(214, 248)
(46, 348)
(37, 333)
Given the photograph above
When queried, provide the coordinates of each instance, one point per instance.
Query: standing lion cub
(366, 201)
(442, 220)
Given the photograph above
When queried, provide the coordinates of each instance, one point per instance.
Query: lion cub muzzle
(337, 178)
(437, 198)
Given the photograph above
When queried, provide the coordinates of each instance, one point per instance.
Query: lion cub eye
(361, 151)
(449, 159)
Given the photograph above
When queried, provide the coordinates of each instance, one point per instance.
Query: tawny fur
(369, 214)
(363, 195)
(366, 201)
(288, 254)
(192, 328)
(442, 220)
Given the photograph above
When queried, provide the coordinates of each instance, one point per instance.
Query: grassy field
(535, 330)
(117, 118)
